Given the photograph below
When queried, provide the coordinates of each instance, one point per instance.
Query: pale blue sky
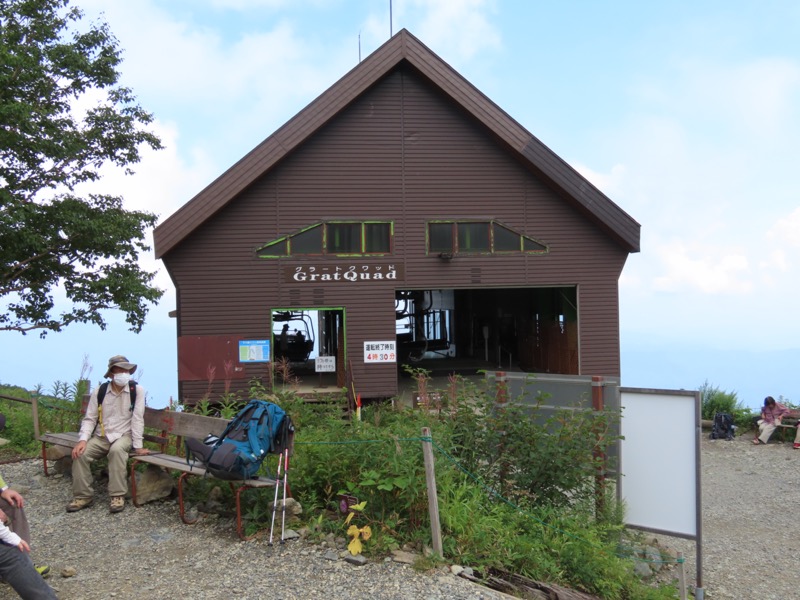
(685, 114)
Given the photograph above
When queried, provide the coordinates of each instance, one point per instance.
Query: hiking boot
(117, 504)
(79, 504)
(43, 570)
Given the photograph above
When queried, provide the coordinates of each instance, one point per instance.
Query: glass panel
(344, 238)
(440, 237)
(473, 237)
(279, 248)
(530, 245)
(308, 241)
(377, 238)
(505, 240)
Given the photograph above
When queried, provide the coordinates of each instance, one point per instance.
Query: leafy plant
(64, 118)
(357, 534)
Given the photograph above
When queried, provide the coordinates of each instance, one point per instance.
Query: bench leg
(44, 458)
(180, 500)
(237, 492)
(133, 483)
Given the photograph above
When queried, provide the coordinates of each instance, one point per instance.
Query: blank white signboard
(659, 461)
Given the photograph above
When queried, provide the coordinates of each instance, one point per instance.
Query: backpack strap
(101, 393)
(258, 415)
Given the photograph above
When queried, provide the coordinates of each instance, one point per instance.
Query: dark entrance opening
(525, 329)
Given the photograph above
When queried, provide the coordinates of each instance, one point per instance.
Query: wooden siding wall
(400, 152)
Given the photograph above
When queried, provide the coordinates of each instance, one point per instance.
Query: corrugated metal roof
(402, 47)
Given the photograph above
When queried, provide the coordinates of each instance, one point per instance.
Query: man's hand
(141, 451)
(79, 449)
(13, 498)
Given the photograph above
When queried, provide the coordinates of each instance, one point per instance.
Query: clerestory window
(479, 237)
(339, 238)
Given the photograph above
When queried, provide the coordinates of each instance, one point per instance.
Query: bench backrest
(183, 424)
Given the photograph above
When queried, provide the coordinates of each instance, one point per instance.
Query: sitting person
(771, 414)
(12, 514)
(110, 428)
(18, 571)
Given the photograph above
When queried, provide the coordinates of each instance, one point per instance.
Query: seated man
(111, 427)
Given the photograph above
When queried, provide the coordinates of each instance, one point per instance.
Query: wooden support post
(35, 415)
(681, 577)
(501, 400)
(598, 405)
(433, 498)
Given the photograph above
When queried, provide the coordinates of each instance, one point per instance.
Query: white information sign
(660, 483)
(380, 352)
(325, 364)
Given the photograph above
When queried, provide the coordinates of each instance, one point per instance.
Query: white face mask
(122, 379)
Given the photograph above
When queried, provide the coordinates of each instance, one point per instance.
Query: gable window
(478, 237)
(339, 238)
(306, 242)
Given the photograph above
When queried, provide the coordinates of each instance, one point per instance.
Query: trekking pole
(285, 477)
(275, 501)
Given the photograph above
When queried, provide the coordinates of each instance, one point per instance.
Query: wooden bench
(788, 426)
(169, 426)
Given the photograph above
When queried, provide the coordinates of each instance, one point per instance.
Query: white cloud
(461, 26)
(787, 230)
(242, 5)
(608, 183)
(693, 267)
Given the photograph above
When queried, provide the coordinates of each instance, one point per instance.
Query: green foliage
(531, 455)
(55, 414)
(714, 400)
(499, 508)
(51, 237)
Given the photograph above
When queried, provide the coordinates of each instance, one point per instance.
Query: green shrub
(714, 400)
(513, 494)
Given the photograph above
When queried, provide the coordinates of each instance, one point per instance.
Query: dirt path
(751, 499)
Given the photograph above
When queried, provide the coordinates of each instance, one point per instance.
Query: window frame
(326, 240)
(491, 224)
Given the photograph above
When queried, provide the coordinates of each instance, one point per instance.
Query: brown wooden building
(400, 218)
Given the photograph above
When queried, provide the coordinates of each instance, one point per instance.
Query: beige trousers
(765, 430)
(98, 447)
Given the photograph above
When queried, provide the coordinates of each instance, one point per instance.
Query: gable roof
(402, 47)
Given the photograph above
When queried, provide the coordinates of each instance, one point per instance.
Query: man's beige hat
(119, 361)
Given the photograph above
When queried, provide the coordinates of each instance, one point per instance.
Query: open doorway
(311, 342)
(525, 329)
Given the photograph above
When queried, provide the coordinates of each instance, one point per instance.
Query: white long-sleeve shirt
(117, 418)
(9, 537)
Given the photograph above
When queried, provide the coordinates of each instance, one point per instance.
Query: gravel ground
(148, 553)
(750, 496)
(750, 547)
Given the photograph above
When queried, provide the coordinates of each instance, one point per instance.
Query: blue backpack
(258, 429)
